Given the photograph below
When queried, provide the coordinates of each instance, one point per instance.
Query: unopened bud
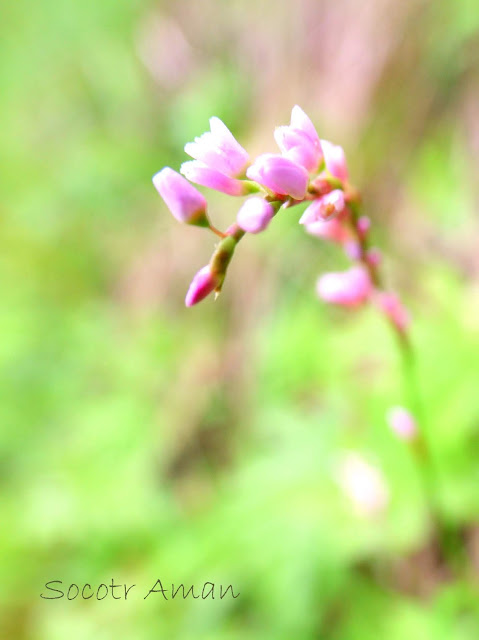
(185, 202)
(201, 286)
(347, 288)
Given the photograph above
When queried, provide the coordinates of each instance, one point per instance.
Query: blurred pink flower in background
(402, 423)
(363, 226)
(347, 288)
(374, 256)
(392, 307)
(335, 160)
(353, 249)
(363, 484)
(333, 230)
(164, 50)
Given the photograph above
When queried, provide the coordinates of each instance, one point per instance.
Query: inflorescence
(307, 169)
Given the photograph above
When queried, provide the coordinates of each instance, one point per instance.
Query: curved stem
(449, 544)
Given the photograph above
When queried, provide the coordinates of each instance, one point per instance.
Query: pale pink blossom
(299, 141)
(334, 229)
(200, 173)
(392, 307)
(363, 226)
(297, 146)
(279, 174)
(219, 150)
(335, 160)
(402, 423)
(353, 249)
(255, 215)
(203, 283)
(302, 122)
(324, 208)
(347, 288)
(363, 484)
(185, 202)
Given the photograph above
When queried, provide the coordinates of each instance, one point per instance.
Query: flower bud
(334, 230)
(279, 174)
(200, 173)
(185, 202)
(391, 306)
(324, 207)
(353, 249)
(374, 256)
(347, 288)
(201, 286)
(402, 423)
(335, 160)
(255, 215)
(218, 149)
(363, 226)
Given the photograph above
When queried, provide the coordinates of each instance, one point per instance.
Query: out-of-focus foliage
(141, 440)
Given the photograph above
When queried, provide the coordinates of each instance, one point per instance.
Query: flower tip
(162, 175)
(297, 112)
(203, 283)
(185, 202)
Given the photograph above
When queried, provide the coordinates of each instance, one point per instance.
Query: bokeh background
(141, 440)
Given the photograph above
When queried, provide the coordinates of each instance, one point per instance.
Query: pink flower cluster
(307, 169)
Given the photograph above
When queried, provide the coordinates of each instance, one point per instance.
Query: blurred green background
(141, 440)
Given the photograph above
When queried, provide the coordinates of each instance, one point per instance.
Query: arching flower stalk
(307, 169)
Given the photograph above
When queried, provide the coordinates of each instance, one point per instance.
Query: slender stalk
(448, 538)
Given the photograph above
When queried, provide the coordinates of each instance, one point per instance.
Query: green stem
(449, 543)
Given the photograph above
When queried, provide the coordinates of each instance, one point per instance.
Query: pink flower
(353, 249)
(255, 215)
(219, 150)
(185, 202)
(402, 423)
(202, 285)
(324, 208)
(334, 229)
(391, 306)
(364, 224)
(296, 146)
(280, 175)
(335, 160)
(301, 122)
(200, 173)
(363, 484)
(299, 141)
(348, 288)
(374, 256)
